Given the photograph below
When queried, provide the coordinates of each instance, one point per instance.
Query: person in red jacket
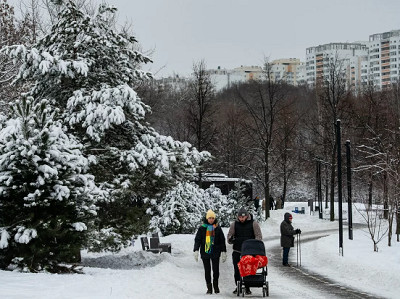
(210, 240)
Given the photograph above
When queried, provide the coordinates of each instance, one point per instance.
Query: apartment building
(376, 61)
(345, 56)
(224, 78)
(384, 58)
(287, 69)
(363, 62)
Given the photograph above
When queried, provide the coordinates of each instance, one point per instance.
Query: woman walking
(210, 240)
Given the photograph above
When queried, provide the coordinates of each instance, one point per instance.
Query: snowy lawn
(133, 273)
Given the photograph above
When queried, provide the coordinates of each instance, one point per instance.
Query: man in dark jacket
(242, 229)
(287, 237)
(210, 240)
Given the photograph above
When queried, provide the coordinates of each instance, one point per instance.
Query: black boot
(216, 288)
(209, 288)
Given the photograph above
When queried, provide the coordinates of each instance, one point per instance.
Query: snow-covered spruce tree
(89, 70)
(46, 199)
(185, 206)
(236, 199)
(219, 204)
(182, 209)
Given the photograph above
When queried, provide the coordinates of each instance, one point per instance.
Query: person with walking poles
(287, 237)
(242, 229)
(210, 240)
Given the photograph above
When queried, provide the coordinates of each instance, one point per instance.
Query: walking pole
(297, 247)
(300, 249)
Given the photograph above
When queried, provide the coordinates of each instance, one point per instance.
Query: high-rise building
(376, 61)
(384, 58)
(286, 69)
(346, 57)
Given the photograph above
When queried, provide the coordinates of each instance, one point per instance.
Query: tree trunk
(385, 196)
(370, 191)
(390, 229)
(398, 222)
(326, 186)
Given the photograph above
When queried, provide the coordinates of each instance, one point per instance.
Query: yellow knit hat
(210, 214)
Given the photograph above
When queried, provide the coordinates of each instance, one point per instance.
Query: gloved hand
(196, 255)
(231, 240)
(223, 256)
(298, 231)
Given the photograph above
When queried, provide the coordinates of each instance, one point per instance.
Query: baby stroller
(253, 267)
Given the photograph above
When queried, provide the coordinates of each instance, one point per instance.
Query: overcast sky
(231, 33)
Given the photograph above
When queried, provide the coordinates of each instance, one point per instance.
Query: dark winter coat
(287, 232)
(219, 242)
(240, 232)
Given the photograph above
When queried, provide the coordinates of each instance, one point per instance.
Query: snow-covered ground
(133, 273)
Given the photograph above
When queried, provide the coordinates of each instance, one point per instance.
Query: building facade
(384, 58)
(289, 70)
(224, 78)
(346, 57)
(376, 61)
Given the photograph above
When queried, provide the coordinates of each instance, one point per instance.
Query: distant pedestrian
(244, 228)
(257, 203)
(287, 237)
(271, 202)
(210, 240)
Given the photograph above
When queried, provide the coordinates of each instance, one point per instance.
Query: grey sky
(230, 33)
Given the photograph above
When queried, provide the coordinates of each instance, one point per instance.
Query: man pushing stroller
(244, 228)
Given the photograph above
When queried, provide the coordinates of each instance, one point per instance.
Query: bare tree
(331, 89)
(286, 144)
(230, 145)
(375, 223)
(200, 109)
(264, 101)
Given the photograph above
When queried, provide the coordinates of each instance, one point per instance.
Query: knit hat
(210, 214)
(243, 212)
(287, 217)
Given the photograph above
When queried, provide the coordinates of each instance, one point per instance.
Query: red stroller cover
(249, 264)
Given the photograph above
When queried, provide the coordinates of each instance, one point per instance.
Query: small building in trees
(226, 184)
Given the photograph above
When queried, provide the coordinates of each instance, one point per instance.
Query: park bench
(155, 246)
(297, 211)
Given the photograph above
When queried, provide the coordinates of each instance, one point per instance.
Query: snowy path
(134, 273)
(314, 281)
(185, 279)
